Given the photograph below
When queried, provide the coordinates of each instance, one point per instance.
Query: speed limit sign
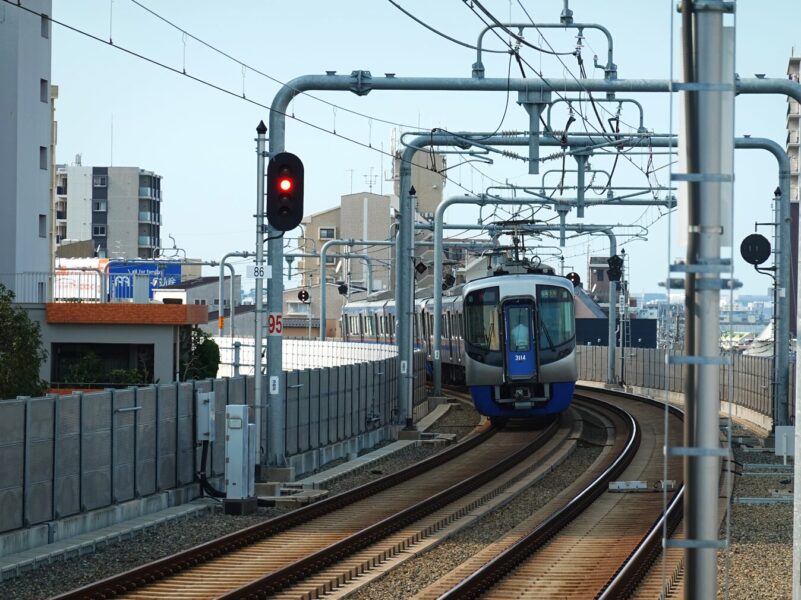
(275, 324)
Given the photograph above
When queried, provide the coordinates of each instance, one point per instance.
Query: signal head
(284, 191)
(574, 278)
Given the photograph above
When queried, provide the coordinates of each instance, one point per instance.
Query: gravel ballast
(759, 560)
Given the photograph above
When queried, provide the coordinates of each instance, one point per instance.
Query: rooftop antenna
(369, 180)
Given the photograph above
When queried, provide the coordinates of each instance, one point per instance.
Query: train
(509, 337)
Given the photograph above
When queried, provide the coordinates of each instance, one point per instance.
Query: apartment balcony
(61, 190)
(145, 192)
(145, 241)
(793, 138)
(61, 215)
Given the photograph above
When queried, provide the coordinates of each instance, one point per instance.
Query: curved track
(599, 544)
(586, 543)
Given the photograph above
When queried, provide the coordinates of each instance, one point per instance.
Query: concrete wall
(123, 212)
(365, 216)
(747, 382)
(79, 203)
(25, 127)
(66, 455)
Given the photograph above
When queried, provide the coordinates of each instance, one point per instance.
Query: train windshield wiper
(544, 329)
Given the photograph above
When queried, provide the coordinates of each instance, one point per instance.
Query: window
(200, 301)
(330, 260)
(328, 233)
(45, 26)
(481, 319)
(99, 181)
(600, 274)
(44, 91)
(99, 205)
(98, 230)
(557, 324)
(43, 158)
(519, 328)
(42, 226)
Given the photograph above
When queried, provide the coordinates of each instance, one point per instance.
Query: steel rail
(477, 583)
(638, 563)
(278, 580)
(170, 565)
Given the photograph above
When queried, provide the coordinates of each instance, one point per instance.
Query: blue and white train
(510, 338)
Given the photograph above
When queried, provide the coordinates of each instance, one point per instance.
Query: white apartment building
(25, 144)
(117, 208)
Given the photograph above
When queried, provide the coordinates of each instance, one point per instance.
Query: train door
(518, 316)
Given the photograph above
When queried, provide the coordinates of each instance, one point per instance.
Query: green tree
(200, 355)
(84, 369)
(21, 350)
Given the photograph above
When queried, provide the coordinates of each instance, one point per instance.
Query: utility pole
(258, 402)
(709, 85)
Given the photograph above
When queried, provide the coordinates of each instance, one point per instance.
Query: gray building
(118, 208)
(25, 143)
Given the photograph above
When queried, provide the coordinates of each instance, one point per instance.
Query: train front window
(519, 333)
(557, 322)
(481, 319)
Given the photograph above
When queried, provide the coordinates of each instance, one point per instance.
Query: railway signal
(615, 270)
(574, 278)
(285, 191)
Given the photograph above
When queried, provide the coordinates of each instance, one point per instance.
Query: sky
(117, 108)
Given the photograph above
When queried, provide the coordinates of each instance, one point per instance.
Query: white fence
(300, 354)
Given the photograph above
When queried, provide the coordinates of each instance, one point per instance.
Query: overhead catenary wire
(212, 85)
(250, 67)
(539, 74)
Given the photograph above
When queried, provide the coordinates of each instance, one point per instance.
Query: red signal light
(285, 184)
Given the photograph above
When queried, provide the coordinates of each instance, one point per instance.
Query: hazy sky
(201, 140)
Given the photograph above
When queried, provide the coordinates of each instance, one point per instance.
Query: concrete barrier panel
(314, 408)
(339, 374)
(166, 457)
(96, 450)
(350, 401)
(185, 434)
(303, 412)
(291, 414)
(12, 440)
(67, 471)
(123, 447)
(39, 460)
(327, 419)
(363, 391)
(146, 441)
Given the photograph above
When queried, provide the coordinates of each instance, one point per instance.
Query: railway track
(598, 544)
(324, 548)
(294, 546)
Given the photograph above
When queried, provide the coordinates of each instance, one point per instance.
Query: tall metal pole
(221, 291)
(783, 265)
(702, 446)
(258, 324)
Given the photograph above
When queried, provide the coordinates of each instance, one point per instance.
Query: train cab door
(521, 360)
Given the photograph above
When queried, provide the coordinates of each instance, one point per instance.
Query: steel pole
(258, 321)
(703, 461)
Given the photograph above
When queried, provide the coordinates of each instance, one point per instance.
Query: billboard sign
(161, 274)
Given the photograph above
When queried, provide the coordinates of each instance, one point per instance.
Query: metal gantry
(362, 83)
